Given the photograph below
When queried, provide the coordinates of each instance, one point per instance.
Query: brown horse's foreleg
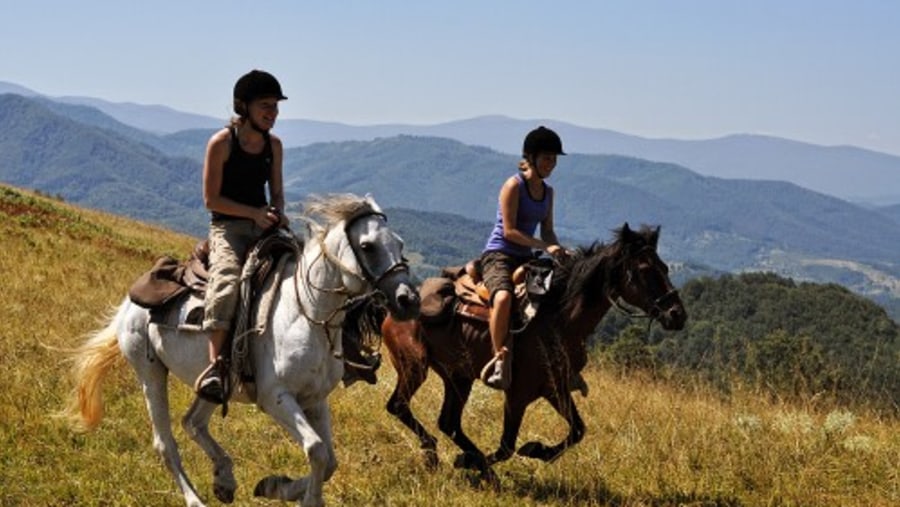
(565, 406)
(398, 406)
(456, 394)
(512, 423)
(410, 360)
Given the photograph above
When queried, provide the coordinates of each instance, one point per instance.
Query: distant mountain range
(847, 172)
(443, 186)
(152, 118)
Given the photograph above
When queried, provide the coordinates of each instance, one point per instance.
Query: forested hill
(458, 240)
(796, 340)
(730, 224)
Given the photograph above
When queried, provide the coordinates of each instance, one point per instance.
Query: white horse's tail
(92, 362)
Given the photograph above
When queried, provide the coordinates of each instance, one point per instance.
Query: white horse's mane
(333, 208)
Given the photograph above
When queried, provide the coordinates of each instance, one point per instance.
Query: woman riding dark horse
(551, 349)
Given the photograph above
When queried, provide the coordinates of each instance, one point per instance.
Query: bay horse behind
(547, 354)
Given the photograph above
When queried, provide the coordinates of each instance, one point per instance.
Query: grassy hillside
(648, 443)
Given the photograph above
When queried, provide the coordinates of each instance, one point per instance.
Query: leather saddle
(169, 281)
(460, 291)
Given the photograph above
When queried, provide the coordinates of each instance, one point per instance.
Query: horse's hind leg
(196, 425)
(153, 381)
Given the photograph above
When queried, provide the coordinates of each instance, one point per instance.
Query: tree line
(799, 341)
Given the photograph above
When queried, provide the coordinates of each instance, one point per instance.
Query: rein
(637, 313)
(326, 322)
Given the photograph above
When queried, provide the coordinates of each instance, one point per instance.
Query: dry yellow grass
(648, 444)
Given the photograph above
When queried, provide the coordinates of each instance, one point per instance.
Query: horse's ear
(626, 233)
(654, 236)
(370, 199)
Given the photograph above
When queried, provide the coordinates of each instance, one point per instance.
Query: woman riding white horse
(296, 359)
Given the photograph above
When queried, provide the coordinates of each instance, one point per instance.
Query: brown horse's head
(641, 279)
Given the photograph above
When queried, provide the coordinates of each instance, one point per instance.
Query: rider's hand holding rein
(557, 252)
(267, 217)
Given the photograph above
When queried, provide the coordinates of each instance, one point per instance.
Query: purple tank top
(530, 213)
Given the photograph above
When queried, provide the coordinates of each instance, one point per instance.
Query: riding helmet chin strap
(248, 120)
(256, 127)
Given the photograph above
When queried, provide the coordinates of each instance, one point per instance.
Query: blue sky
(821, 71)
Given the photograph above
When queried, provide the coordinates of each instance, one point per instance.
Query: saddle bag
(160, 286)
(438, 297)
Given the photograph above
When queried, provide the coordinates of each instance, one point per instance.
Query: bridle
(367, 277)
(655, 306)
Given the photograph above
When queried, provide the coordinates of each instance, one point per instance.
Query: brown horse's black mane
(581, 279)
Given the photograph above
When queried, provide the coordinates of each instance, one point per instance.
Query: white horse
(296, 359)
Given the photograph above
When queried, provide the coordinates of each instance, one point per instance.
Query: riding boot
(209, 385)
(497, 373)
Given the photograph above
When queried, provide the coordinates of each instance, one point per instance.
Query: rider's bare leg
(497, 373)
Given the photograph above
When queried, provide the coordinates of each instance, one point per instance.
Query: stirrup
(209, 385)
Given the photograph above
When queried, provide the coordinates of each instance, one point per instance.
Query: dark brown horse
(547, 354)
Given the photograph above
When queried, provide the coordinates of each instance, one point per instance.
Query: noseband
(372, 279)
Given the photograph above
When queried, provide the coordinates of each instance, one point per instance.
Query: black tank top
(245, 175)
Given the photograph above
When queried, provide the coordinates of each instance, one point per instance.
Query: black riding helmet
(253, 85)
(542, 140)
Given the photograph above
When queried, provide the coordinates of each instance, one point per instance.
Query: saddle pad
(477, 312)
(185, 314)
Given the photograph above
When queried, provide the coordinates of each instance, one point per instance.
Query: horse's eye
(366, 246)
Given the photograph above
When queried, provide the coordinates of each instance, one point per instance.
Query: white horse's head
(369, 253)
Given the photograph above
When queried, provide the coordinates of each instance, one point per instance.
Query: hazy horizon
(813, 71)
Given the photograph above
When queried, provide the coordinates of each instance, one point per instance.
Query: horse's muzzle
(405, 303)
(670, 311)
